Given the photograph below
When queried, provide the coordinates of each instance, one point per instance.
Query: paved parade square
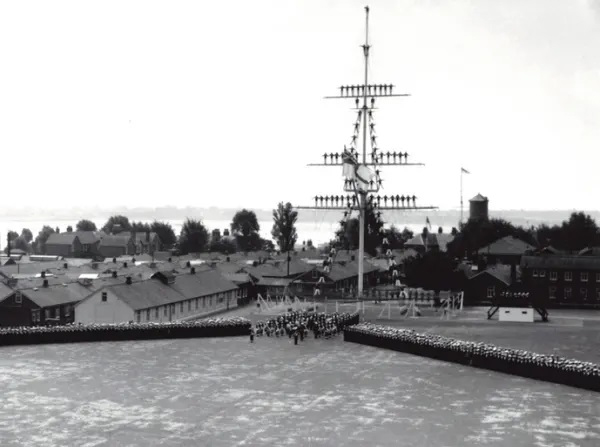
(226, 392)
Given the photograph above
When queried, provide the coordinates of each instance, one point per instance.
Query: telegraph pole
(361, 187)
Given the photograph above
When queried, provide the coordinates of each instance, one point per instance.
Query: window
(583, 293)
(156, 312)
(47, 313)
(196, 303)
(542, 273)
(35, 316)
(204, 302)
(535, 273)
(172, 309)
(584, 276)
(104, 297)
(553, 276)
(137, 316)
(189, 305)
(18, 297)
(148, 315)
(181, 307)
(315, 274)
(166, 313)
(568, 293)
(568, 276)
(491, 292)
(552, 293)
(67, 310)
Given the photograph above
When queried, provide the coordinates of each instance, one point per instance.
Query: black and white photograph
(300, 223)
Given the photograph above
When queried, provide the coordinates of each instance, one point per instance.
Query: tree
(69, 229)
(193, 237)
(578, 232)
(454, 231)
(284, 226)
(225, 246)
(432, 271)
(116, 220)
(42, 237)
(165, 233)
(85, 225)
(27, 235)
(215, 235)
(139, 227)
(348, 234)
(395, 238)
(22, 244)
(476, 234)
(245, 223)
(57, 230)
(12, 235)
(440, 230)
(245, 228)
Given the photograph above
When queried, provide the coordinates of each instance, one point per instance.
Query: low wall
(220, 327)
(550, 368)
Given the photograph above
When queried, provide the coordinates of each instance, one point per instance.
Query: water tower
(478, 208)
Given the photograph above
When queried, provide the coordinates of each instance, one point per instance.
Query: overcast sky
(146, 103)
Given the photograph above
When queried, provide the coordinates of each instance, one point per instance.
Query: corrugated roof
(87, 237)
(59, 294)
(5, 291)
(501, 272)
(238, 278)
(114, 241)
(145, 294)
(274, 282)
(61, 239)
(561, 262)
(507, 245)
(153, 292)
(340, 272)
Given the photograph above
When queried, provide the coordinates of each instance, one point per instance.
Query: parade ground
(228, 392)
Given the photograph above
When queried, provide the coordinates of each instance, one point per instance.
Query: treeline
(438, 270)
(194, 237)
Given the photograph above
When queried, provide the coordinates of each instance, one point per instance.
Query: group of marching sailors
(298, 325)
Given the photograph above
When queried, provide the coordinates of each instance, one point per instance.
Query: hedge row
(219, 327)
(550, 368)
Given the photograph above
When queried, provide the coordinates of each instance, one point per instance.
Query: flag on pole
(349, 164)
(364, 176)
(464, 170)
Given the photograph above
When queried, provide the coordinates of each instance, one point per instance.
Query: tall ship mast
(361, 169)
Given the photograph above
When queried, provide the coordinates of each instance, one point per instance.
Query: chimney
(65, 265)
(43, 273)
(125, 264)
(45, 283)
(170, 260)
(188, 264)
(114, 274)
(114, 260)
(128, 280)
(193, 270)
(227, 258)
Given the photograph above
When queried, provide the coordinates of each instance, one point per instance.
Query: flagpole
(362, 197)
(461, 197)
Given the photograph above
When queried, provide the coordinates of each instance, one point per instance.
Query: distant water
(317, 231)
